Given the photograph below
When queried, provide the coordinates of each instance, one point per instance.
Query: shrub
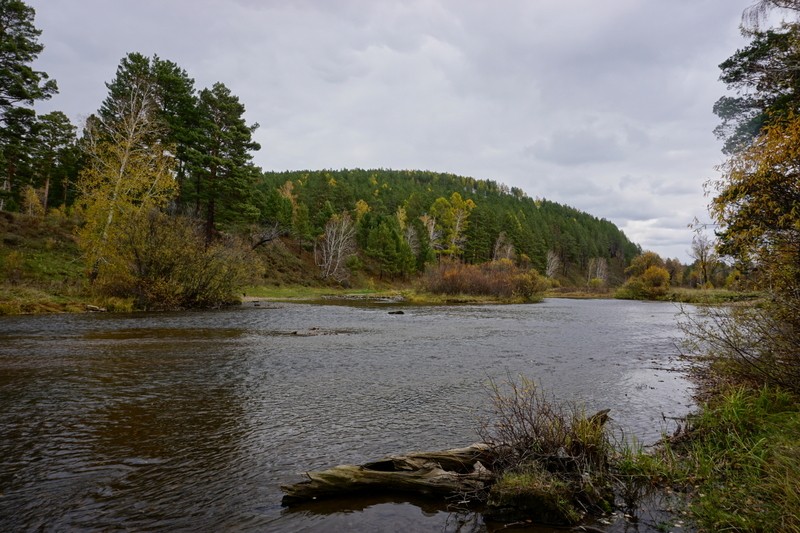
(550, 455)
(12, 265)
(163, 263)
(652, 284)
(748, 344)
(596, 285)
(499, 278)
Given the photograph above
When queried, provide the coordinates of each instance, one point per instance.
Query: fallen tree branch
(442, 473)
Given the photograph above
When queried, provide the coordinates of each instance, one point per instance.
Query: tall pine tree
(20, 87)
(223, 176)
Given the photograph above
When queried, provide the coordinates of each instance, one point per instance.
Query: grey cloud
(578, 147)
(582, 146)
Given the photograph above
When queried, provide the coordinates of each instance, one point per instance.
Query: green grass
(410, 296)
(300, 292)
(533, 491)
(745, 462)
(676, 294)
(692, 296)
(710, 296)
(577, 294)
(17, 300)
(40, 266)
(739, 464)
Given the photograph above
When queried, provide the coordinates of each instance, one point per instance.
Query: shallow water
(192, 421)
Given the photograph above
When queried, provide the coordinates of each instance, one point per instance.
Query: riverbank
(70, 296)
(42, 271)
(736, 461)
(414, 296)
(404, 295)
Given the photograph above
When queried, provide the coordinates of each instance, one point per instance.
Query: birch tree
(553, 264)
(597, 270)
(451, 218)
(705, 256)
(432, 231)
(335, 247)
(128, 172)
(503, 247)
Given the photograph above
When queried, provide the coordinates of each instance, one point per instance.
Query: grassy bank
(737, 462)
(711, 296)
(407, 295)
(40, 265)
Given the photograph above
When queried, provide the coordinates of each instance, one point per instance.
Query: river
(191, 421)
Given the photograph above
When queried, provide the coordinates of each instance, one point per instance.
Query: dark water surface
(192, 421)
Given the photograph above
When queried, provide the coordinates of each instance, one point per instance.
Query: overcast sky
(601, 105)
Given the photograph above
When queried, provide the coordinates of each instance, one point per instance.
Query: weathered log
(442, 473)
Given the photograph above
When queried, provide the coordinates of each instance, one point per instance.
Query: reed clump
(553, 462)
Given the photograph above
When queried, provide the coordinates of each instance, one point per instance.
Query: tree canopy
(455, 216)
(20, 87)
(765, 88)
(223, 177)
(19, 47)
(756, 207)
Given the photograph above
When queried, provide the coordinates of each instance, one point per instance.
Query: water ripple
(185, 421)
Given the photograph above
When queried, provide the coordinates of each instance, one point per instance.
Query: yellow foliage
(402, 217)
(362, 208)
(129, 173)
(31, 204)
(757, 205)
(163, 262)
(642, 262)
(656, 280)
(11, 265)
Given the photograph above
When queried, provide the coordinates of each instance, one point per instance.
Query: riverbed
(192, 421)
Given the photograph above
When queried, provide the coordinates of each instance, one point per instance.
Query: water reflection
(194, 420)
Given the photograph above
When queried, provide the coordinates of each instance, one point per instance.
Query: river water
(192, 421)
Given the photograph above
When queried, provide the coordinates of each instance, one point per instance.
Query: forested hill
(444, 214)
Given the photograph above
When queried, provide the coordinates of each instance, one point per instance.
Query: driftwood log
(459, 471)
(440, 473)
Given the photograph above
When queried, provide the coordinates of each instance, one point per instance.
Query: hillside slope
(536, 228)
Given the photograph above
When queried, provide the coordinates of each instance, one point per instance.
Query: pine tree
(19, 48)
(224, 177)
(20, 87)
(174, 103)
(55, 154)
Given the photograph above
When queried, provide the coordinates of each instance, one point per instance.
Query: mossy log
(442, 473)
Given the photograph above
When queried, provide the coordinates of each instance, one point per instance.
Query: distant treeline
(448, 215)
